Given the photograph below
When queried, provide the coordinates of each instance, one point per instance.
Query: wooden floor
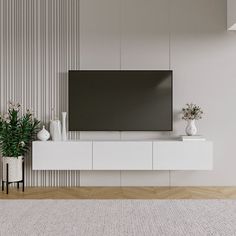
(123, 193)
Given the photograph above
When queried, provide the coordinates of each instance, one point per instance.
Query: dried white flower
(22, 143)
(192, 112)
(6, 118)
(14, 106)
(29, 111)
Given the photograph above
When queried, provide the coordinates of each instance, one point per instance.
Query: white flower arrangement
(192, 112)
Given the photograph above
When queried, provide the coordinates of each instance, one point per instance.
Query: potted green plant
(17, 130)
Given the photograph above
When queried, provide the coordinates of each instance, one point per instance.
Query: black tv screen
(120, 100)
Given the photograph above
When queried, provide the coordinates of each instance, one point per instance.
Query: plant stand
(17, 182)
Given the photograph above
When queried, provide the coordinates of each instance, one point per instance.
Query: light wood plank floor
(123, 193)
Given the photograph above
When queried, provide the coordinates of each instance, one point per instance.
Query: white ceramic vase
(14, 168)
(64, 134)
(55, 130)
(191, 128)
(43, 134)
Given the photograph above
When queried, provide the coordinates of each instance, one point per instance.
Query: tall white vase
(64, 134)
(191, 128)
(55, 130)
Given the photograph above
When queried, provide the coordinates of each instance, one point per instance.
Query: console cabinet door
(128, 155)
(177, 155)
(62, 155)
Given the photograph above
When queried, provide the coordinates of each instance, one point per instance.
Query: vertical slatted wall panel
(39, 43)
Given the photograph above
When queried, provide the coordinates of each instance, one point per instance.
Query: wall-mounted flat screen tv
(120, 100)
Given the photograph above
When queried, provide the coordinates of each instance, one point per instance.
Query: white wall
(203, 58)
(187, 36)
(231, 14)
(190, 37)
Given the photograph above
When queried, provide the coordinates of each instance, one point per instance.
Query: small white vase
(43, 134)
(191, 128)
(55, 130)
(64, 135)
(14, 168)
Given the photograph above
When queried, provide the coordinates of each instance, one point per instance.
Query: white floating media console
(189, 155)
(53, 155)
(123, 155)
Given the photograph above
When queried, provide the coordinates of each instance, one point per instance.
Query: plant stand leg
(18, 185)
(7, 177)
(2, 182)
(23, 176)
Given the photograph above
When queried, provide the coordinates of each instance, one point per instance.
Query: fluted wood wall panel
(39, 43)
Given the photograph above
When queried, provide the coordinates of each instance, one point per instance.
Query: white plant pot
(191, 128)
(14, 168)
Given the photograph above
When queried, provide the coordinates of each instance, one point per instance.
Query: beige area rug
(118, 217)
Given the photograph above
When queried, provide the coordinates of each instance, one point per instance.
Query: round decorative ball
(43, 135)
